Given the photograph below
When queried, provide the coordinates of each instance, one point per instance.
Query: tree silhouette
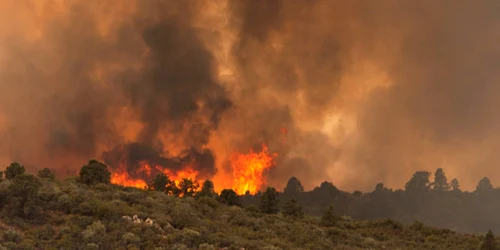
(229, 197)
(455, 186)
(207, 190)
(13, 170)
(293, 187)
(357, 193)
(329, 219)
(327, 190)
(489, 242)
(484, 186)
(160, 183)
(440, 181)
(188, 187)
(94, 172)
(379, 187)
(293, 209)
(269, 201)
(46, 173)
(419, 182)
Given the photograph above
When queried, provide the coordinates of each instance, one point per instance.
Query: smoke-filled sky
(368, 91)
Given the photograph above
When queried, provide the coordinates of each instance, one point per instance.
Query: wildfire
(187, 173)
(146, 172)
(248, 170)
(122, 178)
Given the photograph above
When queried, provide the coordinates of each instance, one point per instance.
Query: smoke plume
(352, 92)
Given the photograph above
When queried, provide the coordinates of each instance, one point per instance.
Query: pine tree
(329, 219)
(489, 242)
(269, 201)
(440, 181)
(484, 186)
(293, 187)
(455, 186)
(207, 190)
(419, 182)
(188, 187)
(159, 183)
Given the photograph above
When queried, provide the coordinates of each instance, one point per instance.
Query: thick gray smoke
(367, 92)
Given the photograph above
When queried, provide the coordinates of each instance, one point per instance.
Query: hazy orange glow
(248, 170)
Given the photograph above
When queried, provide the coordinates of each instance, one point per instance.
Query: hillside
(433, 201)
(87, 212)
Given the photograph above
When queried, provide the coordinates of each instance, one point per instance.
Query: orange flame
(186, 173)
(248, 170)
(121, 177)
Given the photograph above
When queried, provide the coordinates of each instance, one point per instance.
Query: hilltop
(88, 212)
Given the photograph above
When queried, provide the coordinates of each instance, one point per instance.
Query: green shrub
(206, 246)
(183, 215)
(46, 174)
(13, 170)
(12, 235)
(46, 233)
(293, 209)
(92, 246)
(94, 172)
(229, 197)
(130, 238)
(94, 232)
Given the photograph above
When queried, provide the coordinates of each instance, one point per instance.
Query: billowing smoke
(353, 92)
(77, 83)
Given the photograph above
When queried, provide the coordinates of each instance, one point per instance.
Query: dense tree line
(436, 202)
(32, 199)
(431, 199)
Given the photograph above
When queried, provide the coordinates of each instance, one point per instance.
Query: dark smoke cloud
(178, 77)
(56, 86)
(368, 91)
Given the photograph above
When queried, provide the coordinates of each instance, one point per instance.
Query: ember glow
(248, 170)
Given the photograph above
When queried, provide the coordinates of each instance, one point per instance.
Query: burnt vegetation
(89, 212)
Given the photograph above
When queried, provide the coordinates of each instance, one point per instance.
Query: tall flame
(248, 169)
